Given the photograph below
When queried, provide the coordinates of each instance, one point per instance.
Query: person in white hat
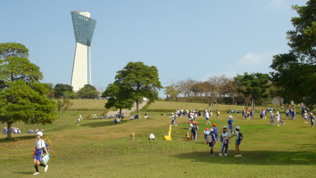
(305, 117)
(239, 138)
(224, 140)
(230, 123)
(38, 151)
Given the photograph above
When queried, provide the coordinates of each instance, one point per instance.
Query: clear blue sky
(182, 38)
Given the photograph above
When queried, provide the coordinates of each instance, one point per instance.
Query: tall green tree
(60, 89)
(295, 71)
(88, 91)
(254, 86)
(141, 81)
(22, 97)
(117, 97)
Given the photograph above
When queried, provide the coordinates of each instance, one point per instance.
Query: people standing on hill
(39, 146)
(230, 122)
(312, 119)
(194, 131)
(207, 118)
(174, 117)
(272, 116)
(224, 140)
(239, 138)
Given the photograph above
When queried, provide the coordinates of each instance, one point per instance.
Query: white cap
(39, 133)
(230, 116)
(225, 127)
(211, 130)
(237, 127)
(311, 113)
(172, 113)
(270, 111)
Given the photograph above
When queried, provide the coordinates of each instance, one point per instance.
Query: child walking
(40, 145)
(271, 118)
(211, 140)
(174, 118)
(224, 140)
(230, 122)
(312, 119)
(239, 137)
(215, 132)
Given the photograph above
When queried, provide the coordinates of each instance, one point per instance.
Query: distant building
(83, 28)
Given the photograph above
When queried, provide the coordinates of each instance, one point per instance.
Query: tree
(63, 103)
(295, 71)
(140, 80)
(60, 90)
(254, 86)
(22, 97)
(88, 91)
(117, 96)
(173, 91)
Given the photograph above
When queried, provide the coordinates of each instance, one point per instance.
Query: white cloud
(277, 4)
(256, 59)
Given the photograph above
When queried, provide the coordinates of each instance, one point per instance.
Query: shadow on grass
(255, 158)
(14, 138)
(102, 124)
(27, 173)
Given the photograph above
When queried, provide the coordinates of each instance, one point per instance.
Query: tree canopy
(60, 89)
(295, 71)
(22, 97)
(88, 91)
(117, 97)
(140, 80)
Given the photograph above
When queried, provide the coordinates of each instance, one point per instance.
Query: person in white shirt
(38, 151)
(207, 118)
(305, 117)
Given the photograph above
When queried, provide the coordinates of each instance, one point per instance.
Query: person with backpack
(224, 140)
(38, 151)
(211, 140)
(230, 122)
(206, 133)
(239, 138)
(194, 131)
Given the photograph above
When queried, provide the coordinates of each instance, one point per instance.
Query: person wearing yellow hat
(38, 151)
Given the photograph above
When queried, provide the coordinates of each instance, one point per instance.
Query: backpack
(240, 136)
(47, 148)
(194, 129)
(209, 138)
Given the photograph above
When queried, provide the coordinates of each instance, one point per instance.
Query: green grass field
(97, 148)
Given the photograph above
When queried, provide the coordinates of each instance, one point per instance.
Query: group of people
(14, 130)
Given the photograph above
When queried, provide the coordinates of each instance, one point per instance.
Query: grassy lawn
(97, 148)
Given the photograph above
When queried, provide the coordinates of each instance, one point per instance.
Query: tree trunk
(9, 124)
(60, 113)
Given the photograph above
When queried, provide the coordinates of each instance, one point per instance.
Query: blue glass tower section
(83, 27)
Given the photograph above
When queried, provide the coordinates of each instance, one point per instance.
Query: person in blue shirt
(252, 113)
(206, 133)
(230, 122)
(215, 132)
(243, 114)
(312, 119)
(272, 116)
(239, 137)
(224, 140)
(174, 117)
(5, 130)
(194, 131)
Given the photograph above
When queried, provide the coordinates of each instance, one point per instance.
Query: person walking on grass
(279, 119)
(194, 131)
(224, 140)
(38, 151)
(312, 119)
(230, 122)
(206, 133)
(207, 118)
(211, 140)
(272, 116)
(305, 117)
(174, 117)
(239, 138)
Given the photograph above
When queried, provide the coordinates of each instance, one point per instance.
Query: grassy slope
(98, 148)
